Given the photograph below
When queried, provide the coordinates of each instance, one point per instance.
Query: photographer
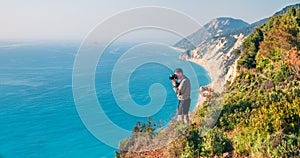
(182, 87)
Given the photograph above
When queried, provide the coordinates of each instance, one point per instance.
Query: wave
(18, 82)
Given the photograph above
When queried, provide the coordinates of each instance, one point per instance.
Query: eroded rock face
(219, 58)
(215, 48)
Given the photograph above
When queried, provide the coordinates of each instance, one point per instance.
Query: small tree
(237, 52)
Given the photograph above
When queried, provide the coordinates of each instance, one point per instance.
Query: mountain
(285, 9)
(212, 29)
(257, 114)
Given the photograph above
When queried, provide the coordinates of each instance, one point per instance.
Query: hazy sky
(73, 19)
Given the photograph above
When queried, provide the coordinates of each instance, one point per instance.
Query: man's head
(179, 73)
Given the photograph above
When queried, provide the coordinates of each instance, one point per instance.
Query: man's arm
(179, 88)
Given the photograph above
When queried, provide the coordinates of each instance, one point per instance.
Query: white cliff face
(214, 46)
(219, 63)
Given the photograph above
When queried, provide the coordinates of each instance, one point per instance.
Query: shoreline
(203, 94)
(216, 82)
(203, 64)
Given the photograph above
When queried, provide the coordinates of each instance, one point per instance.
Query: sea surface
(38, 116)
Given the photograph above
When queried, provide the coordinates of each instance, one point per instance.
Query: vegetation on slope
(261, 108)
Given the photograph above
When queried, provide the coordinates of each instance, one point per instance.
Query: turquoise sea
(38, 116)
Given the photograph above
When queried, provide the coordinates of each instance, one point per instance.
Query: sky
(74, 19)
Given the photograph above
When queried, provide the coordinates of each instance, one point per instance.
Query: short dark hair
(178, 70)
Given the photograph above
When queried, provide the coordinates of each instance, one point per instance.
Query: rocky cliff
(216, 46)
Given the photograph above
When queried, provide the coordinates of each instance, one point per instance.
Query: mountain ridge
(209, 29)
(215, 46)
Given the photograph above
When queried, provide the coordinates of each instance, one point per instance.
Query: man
(183, 90)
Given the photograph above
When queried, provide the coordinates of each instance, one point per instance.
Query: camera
(172, 77)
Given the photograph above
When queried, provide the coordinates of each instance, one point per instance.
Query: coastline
(216, 82)
(205, 90)
(203, 64)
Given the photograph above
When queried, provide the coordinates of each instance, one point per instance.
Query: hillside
(257, 114)
(261, 113)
